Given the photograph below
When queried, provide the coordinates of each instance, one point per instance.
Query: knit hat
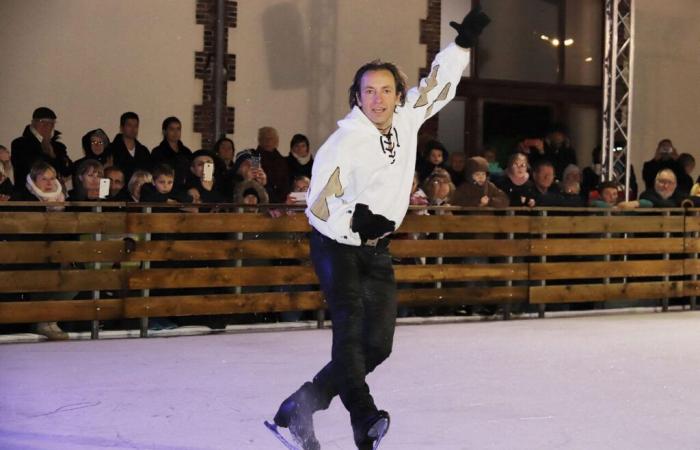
(476, 164)
(240, 158)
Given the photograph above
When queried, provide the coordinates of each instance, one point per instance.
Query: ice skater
(359, 194)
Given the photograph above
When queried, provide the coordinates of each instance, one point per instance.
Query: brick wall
(430, 36)
(203, 70)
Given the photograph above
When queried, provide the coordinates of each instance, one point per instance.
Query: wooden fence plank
(404, 248)
(294, 275)
(691, 288)
(55, 310)
(14, 252)
(215, 223)
(61, 280)
(611, 246)
(459, 272)
(692, 266)
(482, 223)
(221, 277)
(607, 224)
(222, 304)
(61, 222)
(603, 292)
(692, 221)
(194, 250)
(604, 269)
(462, 296)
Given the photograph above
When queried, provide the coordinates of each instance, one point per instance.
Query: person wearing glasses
(40, 142)
(665, 193)
(95, 143)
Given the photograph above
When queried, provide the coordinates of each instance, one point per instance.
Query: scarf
(303, 160)
(56, 195)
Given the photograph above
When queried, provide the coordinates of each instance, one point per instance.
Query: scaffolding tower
(618, 65)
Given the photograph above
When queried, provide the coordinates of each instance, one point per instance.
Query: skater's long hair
(399, 78)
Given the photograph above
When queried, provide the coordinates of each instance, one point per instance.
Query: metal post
(542, 307)
(694, 277)
(618, 63)
(509, 260)
(145, 292)
(667, 256)
(95, 325)
(607, 258)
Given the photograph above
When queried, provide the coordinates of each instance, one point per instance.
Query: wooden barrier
(178, 263)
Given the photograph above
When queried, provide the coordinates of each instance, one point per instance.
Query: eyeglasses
(96, 142)
(665, 181)
(47, 121)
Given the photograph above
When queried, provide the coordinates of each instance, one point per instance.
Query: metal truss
(618, 65)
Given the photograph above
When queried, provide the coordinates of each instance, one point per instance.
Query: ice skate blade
(273, 429)
(377, 432)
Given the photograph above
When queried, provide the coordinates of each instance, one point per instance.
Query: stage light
(569, 42)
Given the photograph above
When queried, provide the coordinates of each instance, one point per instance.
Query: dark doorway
(507, 124)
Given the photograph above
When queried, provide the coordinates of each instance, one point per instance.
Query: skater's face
(378, 97)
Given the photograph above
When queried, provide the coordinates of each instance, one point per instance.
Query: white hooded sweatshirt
(357, 164)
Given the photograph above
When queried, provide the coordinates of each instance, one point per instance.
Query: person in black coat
(127, 152)
(555, 148)
(172, 151)
(40, 142)
(208, 188)
(665, 193)
(300, 159)
(225, 167)
(95, 146)
(516, 182)
(436, 156)
(666, 157)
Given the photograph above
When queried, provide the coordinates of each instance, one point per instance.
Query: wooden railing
(155, 264)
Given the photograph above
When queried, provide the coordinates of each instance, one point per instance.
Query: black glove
(471, 27)
(370, 225)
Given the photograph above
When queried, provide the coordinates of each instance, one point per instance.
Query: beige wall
(666, 78)
(92, 60)
(295, 60)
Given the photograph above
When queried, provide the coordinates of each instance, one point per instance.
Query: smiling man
(359, 194)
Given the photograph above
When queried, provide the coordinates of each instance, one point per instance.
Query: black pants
(360, 290)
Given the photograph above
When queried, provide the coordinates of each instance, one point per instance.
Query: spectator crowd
(538, 172)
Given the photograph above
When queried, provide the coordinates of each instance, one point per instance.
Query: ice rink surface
(614, 381)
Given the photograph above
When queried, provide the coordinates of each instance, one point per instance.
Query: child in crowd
(495, 169)
(609, 196)
(478, 190)
(161, 190)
